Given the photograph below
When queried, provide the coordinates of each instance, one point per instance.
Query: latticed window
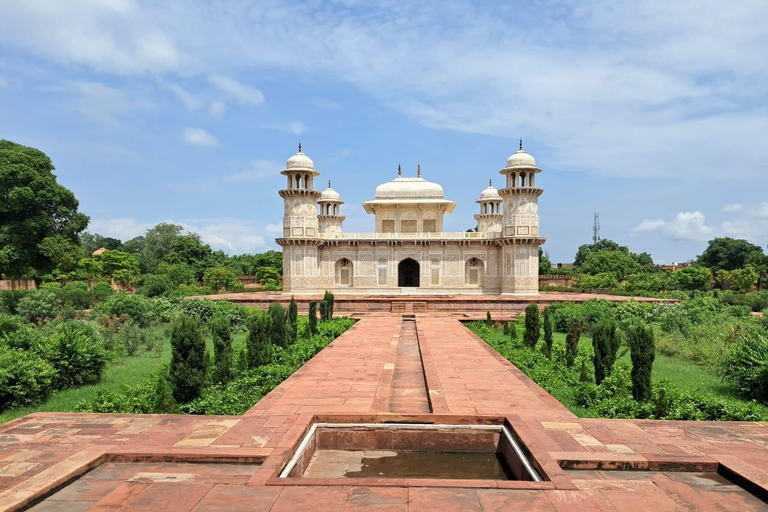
(408, 226)
(344, 272)
(382, 272)
(430, 226)
(387, 226)
(435, 272)
(473, 272)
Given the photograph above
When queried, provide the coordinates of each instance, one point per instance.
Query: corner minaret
(330, 217)
(520, 224)
(300, 198)
(489, 218)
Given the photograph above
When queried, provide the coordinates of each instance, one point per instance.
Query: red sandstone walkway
(143, 462)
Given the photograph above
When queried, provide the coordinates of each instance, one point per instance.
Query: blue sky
(654, 114)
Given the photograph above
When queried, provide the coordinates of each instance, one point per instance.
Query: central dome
(409, 188)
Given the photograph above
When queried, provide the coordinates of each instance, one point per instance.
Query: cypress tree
(572, 342)
(292, 323)
(488, 319)
(242, 359)
(642, 352)
(605, 344)
(258, 342)
(221, 328)
(312, 317)
(513, 331)
(547, 333)
(164, 402)
(326, 307)
(277, 331)
(188, 359)
(532, 329)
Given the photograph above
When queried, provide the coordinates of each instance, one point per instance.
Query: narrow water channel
(409, 390)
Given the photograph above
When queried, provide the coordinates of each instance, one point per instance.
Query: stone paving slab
(351, 381)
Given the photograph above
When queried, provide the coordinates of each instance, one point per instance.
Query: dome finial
(299, 146)
(399, 171)
(490, 182)
(418, 170)
(521, 144)
(329, 183)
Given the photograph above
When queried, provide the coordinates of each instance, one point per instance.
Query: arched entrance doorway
(408, 273)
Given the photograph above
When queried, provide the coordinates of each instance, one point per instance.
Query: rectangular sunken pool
(412, 451)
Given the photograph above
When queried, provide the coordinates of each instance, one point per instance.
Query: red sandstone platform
(145, 462)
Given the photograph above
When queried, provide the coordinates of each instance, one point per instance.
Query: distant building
(409, 252)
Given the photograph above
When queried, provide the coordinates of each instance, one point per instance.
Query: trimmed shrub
(39, 306)
(258, 342)
(25, 377)
(277, 334)
(221, 328)
(642, 352)
(188, 359)
(605, 343)
(548, 340)
(312, 317)
(572, 342)
(532, 327)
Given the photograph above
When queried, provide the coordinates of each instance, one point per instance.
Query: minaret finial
(329, 183)
(418, 170)
(299, 146)
(399, 171)
(490, 182)
(521, 143)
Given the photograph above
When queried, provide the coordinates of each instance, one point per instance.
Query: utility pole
(596, 229)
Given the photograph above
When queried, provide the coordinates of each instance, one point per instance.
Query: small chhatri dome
(521, 158)
(299, 161)
(489, 193)
(329, 195)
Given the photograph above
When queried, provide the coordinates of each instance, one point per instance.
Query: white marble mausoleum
(408, 251)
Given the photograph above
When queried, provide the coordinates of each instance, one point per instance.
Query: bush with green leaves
(548, 340)
(219, 278)
(25, 377)
(122, 306)
(76, 351)
(747, 365)
(100, 292)
(130, 337)
(39, 306)
(9, 324)
(9, 299)
(189, 362)
(155, 285)
(532, 327)
(76, 295)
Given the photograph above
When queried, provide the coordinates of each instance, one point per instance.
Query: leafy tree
(188, 359)
(221, 328)
(602, 245)
(532, 328)
(190, 249)
(695, 277)
(605, 280)
(118, 266)
(742, 279)
(642, 352)
(572, 341)
(747, 366)
(545, 265)
(156, 244)
(65, 255)
(90, 242)
(723, 279)
(177, 274)
(267, 276)
(259, 346)
(313, 317)
(38, 306)
(292, 322)
(39, 221)
(730, 253)
(155, 285)
(649, 281)
(277, 333)
(219, 278)
(548, 340)
(618, 263)
(606, 345)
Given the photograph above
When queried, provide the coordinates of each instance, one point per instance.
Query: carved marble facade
(408, 252)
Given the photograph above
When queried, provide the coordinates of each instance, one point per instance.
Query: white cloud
(761, 211)
(239, 92)
(101, 102)
(257, 170)
(191, 101)
(232, 235)
(199, 137)
(733, 207)
(685, 226)
(326, 104)
(296, 127)
(218, 108)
